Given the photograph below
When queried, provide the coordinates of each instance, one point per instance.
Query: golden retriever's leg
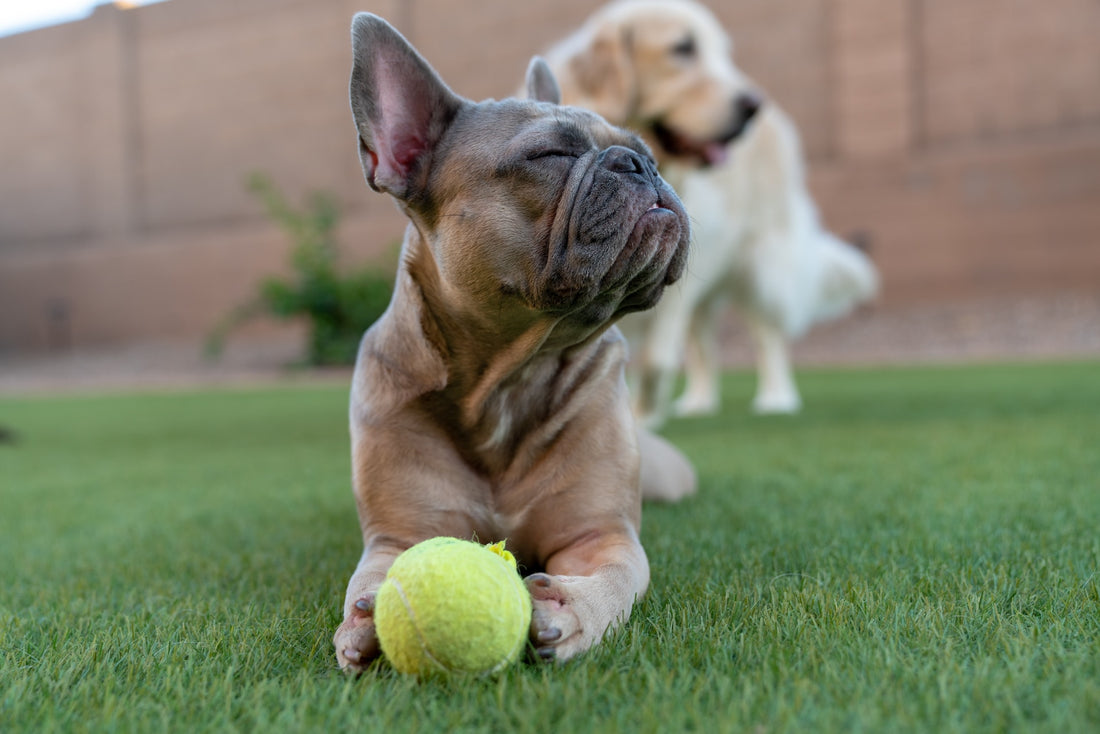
(776, 391)
(588, 588)
(654, 395)
(662, 351)
(702, 392)
(634, 327)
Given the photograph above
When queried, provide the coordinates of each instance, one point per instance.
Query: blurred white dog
(663, 67)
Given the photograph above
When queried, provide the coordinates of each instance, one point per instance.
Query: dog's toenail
(549, 634)
(364, 605)
(352, 655)
(547, 653)
(541, 580)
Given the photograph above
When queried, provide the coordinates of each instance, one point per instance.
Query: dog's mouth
(710, 152)
(658, 252)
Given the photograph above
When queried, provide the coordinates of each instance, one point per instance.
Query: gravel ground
(1051, 327)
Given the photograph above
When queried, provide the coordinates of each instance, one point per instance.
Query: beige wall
(961, 136)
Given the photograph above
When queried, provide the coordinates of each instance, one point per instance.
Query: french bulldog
(489, 401)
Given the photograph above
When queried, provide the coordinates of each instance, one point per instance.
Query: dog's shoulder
(397, 360)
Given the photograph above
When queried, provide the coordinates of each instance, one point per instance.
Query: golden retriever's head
(662, 67)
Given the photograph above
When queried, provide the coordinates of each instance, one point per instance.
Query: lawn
(918, 551)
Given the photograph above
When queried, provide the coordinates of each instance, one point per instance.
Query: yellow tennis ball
(449, 606)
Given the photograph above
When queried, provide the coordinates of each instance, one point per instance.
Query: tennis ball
(452, 606)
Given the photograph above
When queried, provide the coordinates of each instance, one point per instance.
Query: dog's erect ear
(541, 84)
(400, 105)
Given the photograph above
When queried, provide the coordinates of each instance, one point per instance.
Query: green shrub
(338, 306)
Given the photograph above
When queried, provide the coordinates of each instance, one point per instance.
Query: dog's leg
(776, 391)
(355, 640)
(654, 395)
(589, 588)
(702, 392)
(663, 353)
(660, 358)
(634, 327)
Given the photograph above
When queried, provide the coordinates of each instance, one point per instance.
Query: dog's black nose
(619, 159)
(746, 105)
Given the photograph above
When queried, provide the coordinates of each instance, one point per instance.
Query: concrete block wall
(962, 137)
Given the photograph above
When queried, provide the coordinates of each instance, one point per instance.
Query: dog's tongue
(715, 153)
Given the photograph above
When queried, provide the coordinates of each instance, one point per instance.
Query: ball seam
(416, 627)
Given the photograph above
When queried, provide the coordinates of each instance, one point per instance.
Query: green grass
(918, 551)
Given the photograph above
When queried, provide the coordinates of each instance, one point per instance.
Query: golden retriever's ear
(604, 74)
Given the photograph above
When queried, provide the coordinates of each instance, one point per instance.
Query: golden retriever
(664, 68)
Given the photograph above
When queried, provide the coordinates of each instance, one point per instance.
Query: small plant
(338, 306)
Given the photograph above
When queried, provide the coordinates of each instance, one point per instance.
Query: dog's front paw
(693, 404)
(556, 630)
(355, 640)
(777, 402)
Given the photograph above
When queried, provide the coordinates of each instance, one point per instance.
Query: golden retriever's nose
(746, 105)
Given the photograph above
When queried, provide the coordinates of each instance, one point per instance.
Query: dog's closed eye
(552, 153)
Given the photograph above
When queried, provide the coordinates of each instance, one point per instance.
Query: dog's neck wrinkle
(506, 368)
(492, 371)
(491, 391)
(479, 356)
(482, 364)
(503, 408)
(520, 417)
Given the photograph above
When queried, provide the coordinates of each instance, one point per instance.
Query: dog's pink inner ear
(406, 149)
(405, 121)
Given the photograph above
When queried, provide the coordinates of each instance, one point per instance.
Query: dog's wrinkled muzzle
(621, 235)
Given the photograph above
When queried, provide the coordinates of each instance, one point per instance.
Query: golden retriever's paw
(556, 631)
(696, 404)
(777, 402)
(355, 640)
